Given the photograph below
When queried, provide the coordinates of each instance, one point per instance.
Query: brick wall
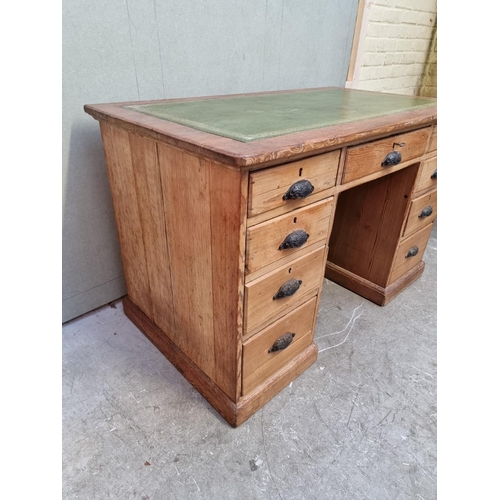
(428, 86)
(395, 45)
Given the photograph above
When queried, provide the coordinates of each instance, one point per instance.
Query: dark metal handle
(294, 240)
(435, 174)
(287, 289)
(412, 252)
(282, 342)
(299, 189)
(393, 158)
(425, 212)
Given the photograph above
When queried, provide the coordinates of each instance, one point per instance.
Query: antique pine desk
(231, 209)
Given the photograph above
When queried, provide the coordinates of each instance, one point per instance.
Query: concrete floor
(359, 424)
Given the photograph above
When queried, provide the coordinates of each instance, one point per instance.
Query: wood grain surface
(258, 363)
(433, 139)
(252, 402)
(368, 223)
(259, 304)
(128, 220)
(265, 152)
(268, 186)
(402, 263)
(367, 158)
(425, 180)
(152, 219)
(200, 218)
(264, 240)
(204, 216)
(378, 294)
(415, 221)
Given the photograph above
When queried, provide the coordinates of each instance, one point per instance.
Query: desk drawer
(290, 232)
(423, 210)
(278, 292)
(427, 177)
(258, 363)
(410, 253)
(367, 158)
(268, 186)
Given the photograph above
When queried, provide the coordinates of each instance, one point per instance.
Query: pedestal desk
(231, 210)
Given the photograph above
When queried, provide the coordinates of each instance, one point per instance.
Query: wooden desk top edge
(261, 152)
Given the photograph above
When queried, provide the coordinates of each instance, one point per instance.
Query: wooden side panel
(125, 202)
(205, 210)
(185, 184)
(151, 210)
(368, 223)
(228, 199)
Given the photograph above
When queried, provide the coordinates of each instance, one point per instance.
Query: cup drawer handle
(288, 289)
(299, 189)
(393, 158)
(294, 240)
(282, 342)
(426, 212)
(434, 174)
(412, 252)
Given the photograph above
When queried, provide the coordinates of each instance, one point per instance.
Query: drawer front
(367, 158)
(282, 236)
(266, 298)
(267, 187)
(434, 137)
(259, 363)
(427, 177)
(423, 210)
(410, 252)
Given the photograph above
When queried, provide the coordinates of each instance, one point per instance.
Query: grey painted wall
(120, 50)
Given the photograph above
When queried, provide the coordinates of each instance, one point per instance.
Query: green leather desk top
(249, 118)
